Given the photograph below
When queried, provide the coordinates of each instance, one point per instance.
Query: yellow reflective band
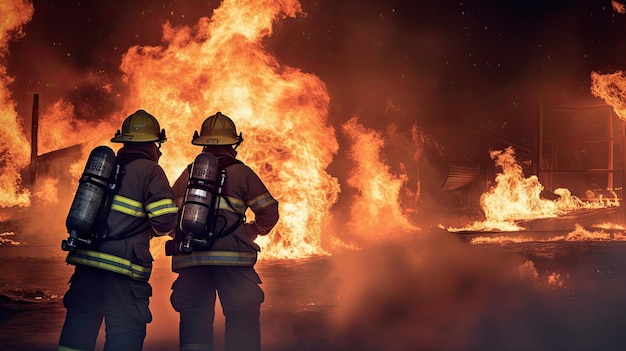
(161, 207)
(127, 206)
(236, 202)
(110, 263)
(214, 258)
(226, 202)
(65, 348)
(261, 201)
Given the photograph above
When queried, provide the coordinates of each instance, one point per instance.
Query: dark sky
(442, 64)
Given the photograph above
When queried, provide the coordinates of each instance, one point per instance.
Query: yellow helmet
(140, 127)
(217, 130)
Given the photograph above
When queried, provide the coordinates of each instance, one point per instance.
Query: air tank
(91, 191)
(200, 199)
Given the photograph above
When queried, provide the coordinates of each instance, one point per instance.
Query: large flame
(376, 207)
(221, 64)
(516, 197)
(57, 125)
(14, 146)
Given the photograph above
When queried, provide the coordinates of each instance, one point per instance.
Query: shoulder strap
(224, 163)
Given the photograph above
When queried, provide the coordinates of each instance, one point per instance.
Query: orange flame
(221, 65)
(46, 191)
(612, 89)
(58, 123)
(14, 147)
(5, 240)
(618, 7)
(376, 208)
(515, 197)
(578, 234)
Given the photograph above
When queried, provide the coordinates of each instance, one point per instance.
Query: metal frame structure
(547, 148)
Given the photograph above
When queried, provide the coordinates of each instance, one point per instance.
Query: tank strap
(110, 263)
(224, 163)
(214, 258)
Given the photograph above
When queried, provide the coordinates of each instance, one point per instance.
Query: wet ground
(429, 291)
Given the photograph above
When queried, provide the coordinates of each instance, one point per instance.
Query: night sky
(448, 66)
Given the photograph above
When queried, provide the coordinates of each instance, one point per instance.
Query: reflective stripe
(110, 263)
(214, 258)
(237, 205)
(128, 206)
(65, 348)
(261, 201)
(195, 347)
(161, 207)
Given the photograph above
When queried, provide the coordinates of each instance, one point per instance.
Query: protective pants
(95, 294)
(193, 296)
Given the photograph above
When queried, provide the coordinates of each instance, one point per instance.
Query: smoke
(412, 294)
(433, 292)
(44, 223)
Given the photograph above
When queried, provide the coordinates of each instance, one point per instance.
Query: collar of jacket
(131, 151)
(223, 151)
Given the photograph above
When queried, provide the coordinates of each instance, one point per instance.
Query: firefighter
(110, 280)
(226, 264)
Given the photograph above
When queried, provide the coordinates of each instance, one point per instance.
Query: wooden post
(621, 197)
(538, 166)
(33, 140)
(610, 165)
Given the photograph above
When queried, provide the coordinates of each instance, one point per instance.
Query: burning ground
(348, 115)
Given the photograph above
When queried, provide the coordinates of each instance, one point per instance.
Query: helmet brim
(134, 138)
(208, 141)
